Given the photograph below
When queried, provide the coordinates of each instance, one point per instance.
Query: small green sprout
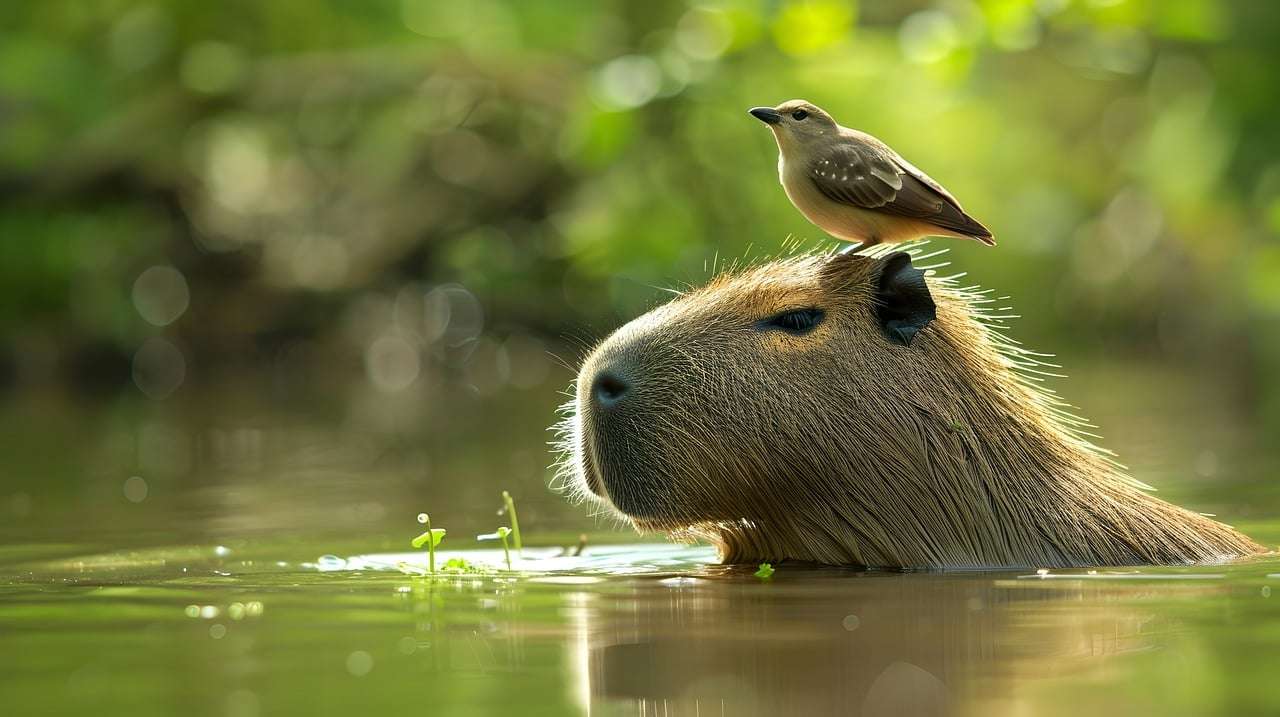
(503, 532)
(500, 534)
(431, 539)
(509, 505)
(461, 567)
(765, 572)
(452, 566)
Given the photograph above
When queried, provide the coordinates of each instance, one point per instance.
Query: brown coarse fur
(842, 447)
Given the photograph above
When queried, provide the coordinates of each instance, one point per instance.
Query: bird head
(796, 122)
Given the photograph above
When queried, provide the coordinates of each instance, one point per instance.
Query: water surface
(238, 552)
(639, 629)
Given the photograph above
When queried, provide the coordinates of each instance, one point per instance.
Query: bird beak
(768, 115)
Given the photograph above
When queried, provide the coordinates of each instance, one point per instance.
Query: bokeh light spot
(927, 36)
(627, 82)
(1013, 26)
(392, 363)
(135, 489)
(238, 167)
(158, 368)
(703, 34)
(359, 663)
(160, 295)
(804, 27)
(453, 314)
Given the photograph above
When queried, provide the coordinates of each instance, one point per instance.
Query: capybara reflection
(849, 410)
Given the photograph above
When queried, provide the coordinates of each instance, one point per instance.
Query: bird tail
(957, 223)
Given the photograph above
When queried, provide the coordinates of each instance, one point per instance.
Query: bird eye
(796, 322)
(799, 114)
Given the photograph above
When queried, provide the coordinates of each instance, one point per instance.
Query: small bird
(854, 187)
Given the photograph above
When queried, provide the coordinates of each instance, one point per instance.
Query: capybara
(850, 410)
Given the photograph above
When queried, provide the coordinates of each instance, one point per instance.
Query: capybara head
(847, 409)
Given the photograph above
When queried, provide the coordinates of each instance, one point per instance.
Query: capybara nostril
(609, 389)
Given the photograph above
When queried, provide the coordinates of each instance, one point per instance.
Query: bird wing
(856, 174)
(868, 175)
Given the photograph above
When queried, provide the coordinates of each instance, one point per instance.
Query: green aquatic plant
(764, 572)
(500, 534)
(509, 505)
(431, 538)
(453, 567)
(462, 567)
(503, 532)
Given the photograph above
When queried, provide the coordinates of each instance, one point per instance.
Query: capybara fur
(847, 409)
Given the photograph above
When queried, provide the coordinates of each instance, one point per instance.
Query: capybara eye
(797, 322)
(799, 114)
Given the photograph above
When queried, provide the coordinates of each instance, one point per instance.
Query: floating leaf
(765, 572)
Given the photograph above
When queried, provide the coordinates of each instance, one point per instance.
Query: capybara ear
(904, 305)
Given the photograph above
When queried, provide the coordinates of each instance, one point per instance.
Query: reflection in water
(873, 644)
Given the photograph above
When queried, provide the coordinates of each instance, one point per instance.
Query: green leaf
(435, 535)
(765, 572)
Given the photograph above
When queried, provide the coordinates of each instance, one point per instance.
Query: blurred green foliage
(311, 169)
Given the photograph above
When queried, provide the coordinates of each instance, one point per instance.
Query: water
(234, 553)
(645, 629)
